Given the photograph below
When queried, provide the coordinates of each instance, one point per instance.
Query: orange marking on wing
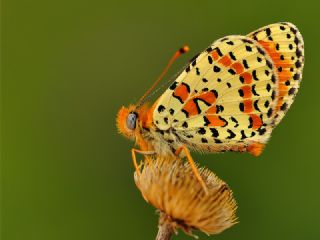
(182, 92)
(215, 55)
(191, 108)
(215, 121)
(255, 148)
(225, 61)
(248, 107)
(247, 93)
(212, 110)
(238, 67)
(247, 77)
(257, 122)
(284, 74)
(209, 97)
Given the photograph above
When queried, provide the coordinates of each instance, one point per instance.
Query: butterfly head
(127, 121)
(130, 120)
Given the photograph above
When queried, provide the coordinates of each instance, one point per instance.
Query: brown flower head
(171, 187)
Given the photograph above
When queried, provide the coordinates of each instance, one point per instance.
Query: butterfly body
(229, 98)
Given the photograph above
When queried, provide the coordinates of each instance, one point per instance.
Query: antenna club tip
(184, 49)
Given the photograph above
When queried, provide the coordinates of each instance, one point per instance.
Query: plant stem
(165, 231)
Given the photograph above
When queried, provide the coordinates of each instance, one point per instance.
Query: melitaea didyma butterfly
(229, 98)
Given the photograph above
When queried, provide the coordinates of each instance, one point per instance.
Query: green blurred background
(67, 66)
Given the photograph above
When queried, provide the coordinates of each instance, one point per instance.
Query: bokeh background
(67, 67)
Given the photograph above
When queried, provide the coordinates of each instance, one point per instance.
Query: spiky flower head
(171, 187)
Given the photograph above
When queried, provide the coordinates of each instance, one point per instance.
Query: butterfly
(229, 97)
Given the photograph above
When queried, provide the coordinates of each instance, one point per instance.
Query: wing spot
(284, 106)
(231, 134)
(292, 91)
(216, 69)
(231, 71)
(232, 56)
(245, 63)
(215, 132)
(204, 140)
(185, 125)
(161, 108)
(248, 48)
(202, 131)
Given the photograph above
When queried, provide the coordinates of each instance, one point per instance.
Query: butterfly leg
(134, 159)
(193, 166)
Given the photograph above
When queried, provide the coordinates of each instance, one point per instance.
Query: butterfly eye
(131, 121)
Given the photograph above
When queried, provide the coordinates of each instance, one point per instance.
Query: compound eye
(131, 121)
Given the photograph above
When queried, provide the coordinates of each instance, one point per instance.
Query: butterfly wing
(231, 94)
(284, 44)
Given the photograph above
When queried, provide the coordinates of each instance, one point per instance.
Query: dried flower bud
(171, 187)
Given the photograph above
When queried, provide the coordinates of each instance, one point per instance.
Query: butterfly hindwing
(284, 44)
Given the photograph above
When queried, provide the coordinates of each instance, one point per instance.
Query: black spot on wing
(292, 91)
(215, 132)
(254, 75)
(173, 86)
(245, 63)
(241, 106)
(218, 51)
(235, 121)
(185, 125)
(250, 122)
(201, 131)
(231, 134)
(209, 49)
(204, 140)
(253, 90)
(232, 56)
(255, 105)
(231, 71)
(243, 135)
(161, 108)
(216, 69)
(248, 48)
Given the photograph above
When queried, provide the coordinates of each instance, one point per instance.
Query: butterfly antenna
(176, 55)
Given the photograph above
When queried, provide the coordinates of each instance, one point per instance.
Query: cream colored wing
(228, 95)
